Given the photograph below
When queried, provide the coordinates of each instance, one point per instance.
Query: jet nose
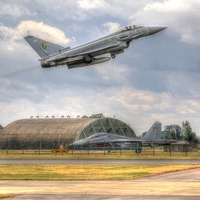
(155, 29)
(78, 143)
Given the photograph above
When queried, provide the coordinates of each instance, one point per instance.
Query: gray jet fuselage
(87, 54)
(116, 41)
(152, 138)
(104, 138)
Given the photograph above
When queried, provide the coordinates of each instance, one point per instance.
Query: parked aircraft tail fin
(42, 47)
(154, 133)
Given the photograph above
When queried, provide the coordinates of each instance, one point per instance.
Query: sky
(155, 79)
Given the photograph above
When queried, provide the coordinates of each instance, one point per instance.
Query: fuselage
(114, 44)
(53, 55)
(115, 41)
(101, 138)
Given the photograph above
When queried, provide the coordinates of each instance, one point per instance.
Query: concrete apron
(101, 187)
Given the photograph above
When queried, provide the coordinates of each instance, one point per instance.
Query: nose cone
(79, 143)
(155, 29)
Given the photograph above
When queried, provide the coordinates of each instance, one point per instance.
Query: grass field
(85, 172)
(90, 172)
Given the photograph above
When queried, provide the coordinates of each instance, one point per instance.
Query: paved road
(182, 185)
(99, 161)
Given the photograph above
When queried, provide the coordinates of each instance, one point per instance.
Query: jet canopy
(129, 27)
(96, 136)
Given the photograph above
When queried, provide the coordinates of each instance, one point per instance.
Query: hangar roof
(48, 125)
(50, 131)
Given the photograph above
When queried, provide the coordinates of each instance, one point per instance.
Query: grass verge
(85, 172)
(149, 154)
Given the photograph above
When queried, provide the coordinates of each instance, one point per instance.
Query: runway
(182, 185)
(100, 161)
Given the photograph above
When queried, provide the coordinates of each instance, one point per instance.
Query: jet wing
(117, 140)
(73, 52)
(126, 140)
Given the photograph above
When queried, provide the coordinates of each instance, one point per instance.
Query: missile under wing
(53, 55)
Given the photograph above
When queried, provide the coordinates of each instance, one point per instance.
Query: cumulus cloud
(181, 17)
(12, 43)
(113, 72)
(91, 4)
(15, 11)
(170, 6)
(38, 29)
(112, 26)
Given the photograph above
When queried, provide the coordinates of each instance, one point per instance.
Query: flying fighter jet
(152, 138)
(53, 55)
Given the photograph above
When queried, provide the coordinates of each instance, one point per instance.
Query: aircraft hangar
(47, 133)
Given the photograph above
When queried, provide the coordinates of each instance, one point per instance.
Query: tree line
(180, 133)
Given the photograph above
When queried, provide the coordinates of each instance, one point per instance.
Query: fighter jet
(152, 138)
(53, 55)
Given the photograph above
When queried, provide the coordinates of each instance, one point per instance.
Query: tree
(173, 132)
(187, 133)
(173, 135)
(144, 133)
(1, 127)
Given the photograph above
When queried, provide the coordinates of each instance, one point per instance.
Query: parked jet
(152, 138)
(53, 55)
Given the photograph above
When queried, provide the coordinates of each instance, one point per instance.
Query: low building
(181, 147)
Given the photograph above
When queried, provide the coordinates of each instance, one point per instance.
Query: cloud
(38, 29)
(170, 6)
(62, 10)
(92, 4)
(181, 17)
(112, 72)
(13, 45)
(112, 26)
(14, 11)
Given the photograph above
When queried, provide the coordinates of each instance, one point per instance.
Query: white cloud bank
(38, 29)
(180, 16)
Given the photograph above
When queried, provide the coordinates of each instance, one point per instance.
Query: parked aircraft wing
(125, 140)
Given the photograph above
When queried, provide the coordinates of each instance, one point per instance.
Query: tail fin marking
(154, 133)
(42, 47)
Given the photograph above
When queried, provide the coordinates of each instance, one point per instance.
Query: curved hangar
(47, 133)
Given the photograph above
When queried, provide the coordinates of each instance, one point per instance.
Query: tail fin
(154, 133)
(42, 47)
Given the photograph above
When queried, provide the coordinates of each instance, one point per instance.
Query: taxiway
(100, 161)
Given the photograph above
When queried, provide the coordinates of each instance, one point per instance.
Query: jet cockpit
(129, 27)
(95, 136)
